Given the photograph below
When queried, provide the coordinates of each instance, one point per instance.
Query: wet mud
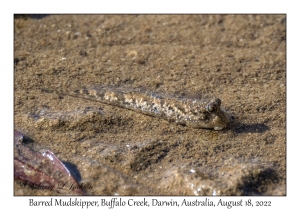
(240, 59)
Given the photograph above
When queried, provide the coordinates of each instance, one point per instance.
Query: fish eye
(211, 108)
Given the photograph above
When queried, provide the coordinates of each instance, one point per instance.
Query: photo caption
(114, 203)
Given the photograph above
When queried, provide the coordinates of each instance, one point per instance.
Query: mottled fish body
(194, 113)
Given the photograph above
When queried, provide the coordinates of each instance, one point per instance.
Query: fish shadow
(238, 127)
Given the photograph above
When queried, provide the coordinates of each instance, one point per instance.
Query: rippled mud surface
(240, 59)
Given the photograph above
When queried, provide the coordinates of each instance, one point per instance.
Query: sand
(240, 59)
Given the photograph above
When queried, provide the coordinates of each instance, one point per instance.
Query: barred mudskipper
(196, 113)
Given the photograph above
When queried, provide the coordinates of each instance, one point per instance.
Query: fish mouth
(218, 128)
(224, 120)
(230, 121)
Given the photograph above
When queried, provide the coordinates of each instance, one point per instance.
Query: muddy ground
(239, 58)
